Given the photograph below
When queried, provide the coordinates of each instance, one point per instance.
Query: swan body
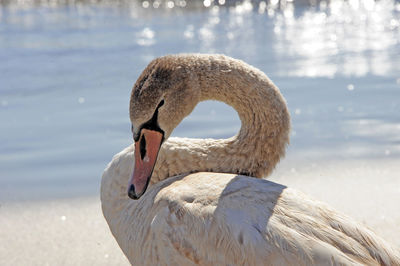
(202, 206)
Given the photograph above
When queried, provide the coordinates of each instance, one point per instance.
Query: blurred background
(67, 68)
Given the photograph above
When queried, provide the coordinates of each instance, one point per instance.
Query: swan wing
(225, 219)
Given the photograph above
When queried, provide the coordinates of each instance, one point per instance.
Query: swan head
(162, 96)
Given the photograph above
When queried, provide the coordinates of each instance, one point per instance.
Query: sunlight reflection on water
(362, 32)
(328, 38)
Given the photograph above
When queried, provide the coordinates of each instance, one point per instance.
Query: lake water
(67, 68)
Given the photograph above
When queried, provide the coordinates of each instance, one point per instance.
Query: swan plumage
(219, 215)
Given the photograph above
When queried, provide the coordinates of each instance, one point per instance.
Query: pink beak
(146, 152)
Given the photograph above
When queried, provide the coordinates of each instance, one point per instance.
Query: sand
(74, 232)
(62, 232)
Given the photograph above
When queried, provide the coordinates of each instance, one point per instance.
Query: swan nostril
(143, 147)
(131, 192)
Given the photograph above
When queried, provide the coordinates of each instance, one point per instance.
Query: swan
(206, 203)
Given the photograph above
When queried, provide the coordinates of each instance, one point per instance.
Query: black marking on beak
(131, 192)
(142, 147)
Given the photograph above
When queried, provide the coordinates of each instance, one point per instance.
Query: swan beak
(146, 152)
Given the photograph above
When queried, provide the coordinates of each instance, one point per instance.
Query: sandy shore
(63, 232)
(74, 232)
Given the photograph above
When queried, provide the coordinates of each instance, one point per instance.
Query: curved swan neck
(264, 133)
(259, 104)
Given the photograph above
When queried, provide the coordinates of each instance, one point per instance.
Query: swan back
(226, 219)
